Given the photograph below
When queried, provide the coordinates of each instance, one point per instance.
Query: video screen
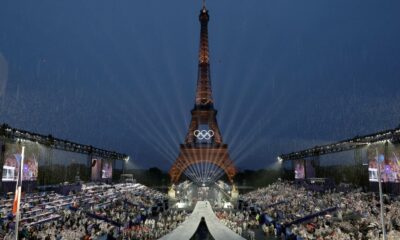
(299, 171)
(389, 166)
(106, 171)
(96, 168)
(12, 161)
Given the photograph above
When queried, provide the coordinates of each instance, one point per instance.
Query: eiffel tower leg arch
(192, 156)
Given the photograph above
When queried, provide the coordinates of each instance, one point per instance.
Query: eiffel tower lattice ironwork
(203, 143)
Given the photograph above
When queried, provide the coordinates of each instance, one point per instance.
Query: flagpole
(380, 196)
(19, 184)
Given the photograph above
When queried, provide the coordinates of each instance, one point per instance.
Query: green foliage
(257, 178)
(152, 177)
(58, 173)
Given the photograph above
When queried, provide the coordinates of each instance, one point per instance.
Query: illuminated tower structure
(203, 143)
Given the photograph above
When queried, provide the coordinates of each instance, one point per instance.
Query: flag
(15, 203)
(17, 197)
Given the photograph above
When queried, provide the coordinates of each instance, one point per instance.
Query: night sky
(121, 74)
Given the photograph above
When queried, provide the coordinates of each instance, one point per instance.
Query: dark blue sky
(121, 74)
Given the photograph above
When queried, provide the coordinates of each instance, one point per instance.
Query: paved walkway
(203, 209)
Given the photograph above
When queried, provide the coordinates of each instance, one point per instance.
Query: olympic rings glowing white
(203, 134)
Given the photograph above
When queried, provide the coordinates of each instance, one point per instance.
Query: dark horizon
(122, 75)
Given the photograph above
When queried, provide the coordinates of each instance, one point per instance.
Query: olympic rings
(203, 134)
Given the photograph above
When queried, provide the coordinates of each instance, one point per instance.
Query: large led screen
(96, 168)
(389, 164)
(12, 161)
(299, 171)
(106, 171)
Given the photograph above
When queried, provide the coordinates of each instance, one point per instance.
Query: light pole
(280, 166)
(126, 160)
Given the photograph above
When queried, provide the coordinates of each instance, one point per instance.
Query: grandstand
(57, 189)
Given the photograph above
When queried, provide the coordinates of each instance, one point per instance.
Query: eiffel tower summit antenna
(204, 4)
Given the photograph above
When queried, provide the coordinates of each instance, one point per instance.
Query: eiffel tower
(203, 143)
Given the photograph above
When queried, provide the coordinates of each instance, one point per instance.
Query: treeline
(152, 177)
(155, 177)
(353, 174)
(256, 178)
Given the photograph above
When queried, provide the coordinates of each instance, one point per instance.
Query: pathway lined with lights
(188, 228)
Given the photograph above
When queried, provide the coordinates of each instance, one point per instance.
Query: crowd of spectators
(99, 211)
(241, 222)
(299, 213)
(155, 228)
(133, 211)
